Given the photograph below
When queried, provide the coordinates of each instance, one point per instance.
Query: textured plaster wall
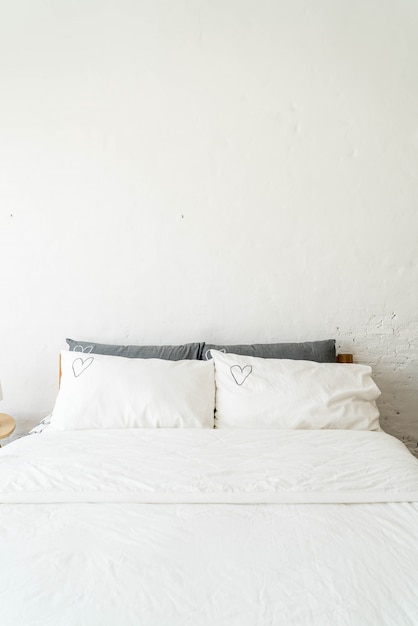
(219, 170)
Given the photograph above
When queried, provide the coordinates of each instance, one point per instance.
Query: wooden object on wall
(344, 358)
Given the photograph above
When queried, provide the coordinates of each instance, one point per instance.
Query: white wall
(219, 170)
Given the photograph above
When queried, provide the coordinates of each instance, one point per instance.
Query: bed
(234, 490)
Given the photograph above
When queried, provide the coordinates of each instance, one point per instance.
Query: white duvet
(208, 527)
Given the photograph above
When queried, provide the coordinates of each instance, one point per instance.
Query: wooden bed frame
(345, 358)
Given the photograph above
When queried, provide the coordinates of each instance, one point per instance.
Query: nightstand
(7, 425)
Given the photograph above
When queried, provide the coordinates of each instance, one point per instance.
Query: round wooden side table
(7, 425)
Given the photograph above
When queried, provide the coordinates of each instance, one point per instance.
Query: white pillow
(253, 392)
(100, 391)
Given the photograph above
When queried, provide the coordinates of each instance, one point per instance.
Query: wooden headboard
(344, 358)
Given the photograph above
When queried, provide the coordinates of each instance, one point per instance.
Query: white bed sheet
(219, 466)
(126, 562)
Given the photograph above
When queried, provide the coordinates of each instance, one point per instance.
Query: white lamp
(1, 395)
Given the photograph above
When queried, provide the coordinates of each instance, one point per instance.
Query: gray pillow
(169, 353)
(321, 351)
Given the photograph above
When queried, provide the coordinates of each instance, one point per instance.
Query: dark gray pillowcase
(320, 351)
(168, 353)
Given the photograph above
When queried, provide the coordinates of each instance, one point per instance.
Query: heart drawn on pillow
(240, 374)
(208, 355)
(79, 348)
(80, 365)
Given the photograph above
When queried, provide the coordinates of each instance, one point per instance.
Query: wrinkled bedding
(178, 527)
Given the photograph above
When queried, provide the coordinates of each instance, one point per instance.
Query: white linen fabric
(197, 466)
(42, 425)
(92, 551)
(282, 393)
(133, 564)
(100, 391)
